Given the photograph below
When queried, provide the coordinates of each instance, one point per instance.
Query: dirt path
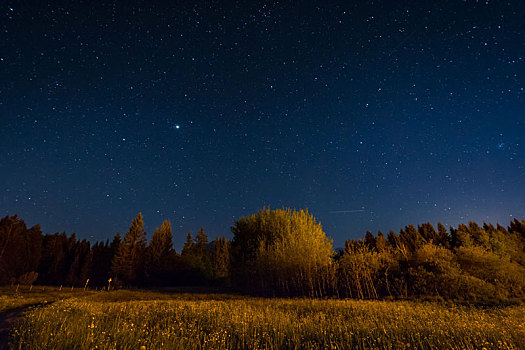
(7, 320)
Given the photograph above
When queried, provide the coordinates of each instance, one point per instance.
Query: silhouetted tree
(221, 259)
(411, 238)
(442, 237)
(188, 245)
(128, 263)
(20, 248)
(518, 227)
(160, 254)
(370, 240)
(53, 266)
(428, 232)
(393, 239)
(101, 257)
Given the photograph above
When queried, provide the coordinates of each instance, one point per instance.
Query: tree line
(27, 256)
(280, 252)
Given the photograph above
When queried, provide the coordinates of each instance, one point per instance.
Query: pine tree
(479, 235)
(78, 262)
(411, 238)
(221, 258)
(160, 252)
(461, 236)
(102, 255)
(84, 272)
(129, 261)
(381, 242)
(53, 265)
(518, 227)
(100, 264)
(442, 235)
(188, 245)
(203, 254)
(73, 272)
(428, 232)
(196, 257)
(370, 240)
(393, 239)
(115, 244)
(20, 248)
(201, 240)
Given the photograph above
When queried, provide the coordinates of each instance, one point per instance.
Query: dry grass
(22, 296)
(187, 321)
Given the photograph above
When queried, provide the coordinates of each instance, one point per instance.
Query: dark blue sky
(372, 114)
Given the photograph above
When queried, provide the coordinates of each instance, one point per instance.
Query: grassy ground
(147, 320)
(16, 300)
(20, 296)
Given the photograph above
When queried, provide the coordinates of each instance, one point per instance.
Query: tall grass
(222, 322)
(17, 297)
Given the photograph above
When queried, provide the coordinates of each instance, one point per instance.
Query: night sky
(372, 114)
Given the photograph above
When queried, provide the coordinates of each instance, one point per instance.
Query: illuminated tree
(221, 258)
(196, 256)
(160, 253)
(281, 252)
(128, 263)
(442, 235)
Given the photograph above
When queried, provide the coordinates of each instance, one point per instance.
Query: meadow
(149, 320)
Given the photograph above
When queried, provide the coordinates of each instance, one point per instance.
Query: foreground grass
(186, 321)
(13, 297)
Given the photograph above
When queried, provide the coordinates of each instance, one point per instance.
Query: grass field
(13, 297)
(148, 320)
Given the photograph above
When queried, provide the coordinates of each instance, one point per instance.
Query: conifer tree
(86, 254)
(160, 252)
(203, 254)
(100, 263)
(102, 258)
(115, 244)
(370, 240)
(129, 261)
(411, 238)
(201, 240)
(196, 256)
(381, 242)
(517, 226)
(20, 248)
(73, 272)
(221, 258)
(52, 267)
(188, 245)
(461, 236)
(442, 236)
(428, 232)
(479, 235)
(393, 239)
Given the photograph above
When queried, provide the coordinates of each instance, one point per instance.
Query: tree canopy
(281, 251)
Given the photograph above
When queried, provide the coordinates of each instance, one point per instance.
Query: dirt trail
(7, 320)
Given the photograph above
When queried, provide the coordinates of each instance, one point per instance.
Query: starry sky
(372, 114)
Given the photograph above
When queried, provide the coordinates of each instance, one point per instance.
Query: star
(198, 120)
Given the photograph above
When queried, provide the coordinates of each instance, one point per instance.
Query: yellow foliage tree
(282, 252)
